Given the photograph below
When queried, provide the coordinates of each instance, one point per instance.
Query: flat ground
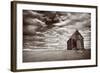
(55, 55)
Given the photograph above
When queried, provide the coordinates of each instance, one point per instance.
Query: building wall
(75, 42)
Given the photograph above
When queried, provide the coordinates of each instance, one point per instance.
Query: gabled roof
(76, 33)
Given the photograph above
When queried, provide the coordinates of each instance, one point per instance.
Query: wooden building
(76, 41)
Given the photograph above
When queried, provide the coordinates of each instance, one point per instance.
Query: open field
(55, 55)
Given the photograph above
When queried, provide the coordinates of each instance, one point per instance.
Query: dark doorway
(74, 44)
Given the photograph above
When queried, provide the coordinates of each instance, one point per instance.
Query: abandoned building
(76, 41)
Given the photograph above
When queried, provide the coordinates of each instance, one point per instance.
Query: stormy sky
(51, 29)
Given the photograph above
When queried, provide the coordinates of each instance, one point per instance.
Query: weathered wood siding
(76, 41)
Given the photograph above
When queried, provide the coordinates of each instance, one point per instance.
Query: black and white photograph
(54, 36)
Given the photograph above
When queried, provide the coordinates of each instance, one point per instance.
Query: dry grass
(55, 55)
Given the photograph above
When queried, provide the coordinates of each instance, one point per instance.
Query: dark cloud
(56, 26)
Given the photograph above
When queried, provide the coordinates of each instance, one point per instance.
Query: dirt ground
(55, 55)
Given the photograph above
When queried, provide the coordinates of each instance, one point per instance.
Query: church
(76, 41)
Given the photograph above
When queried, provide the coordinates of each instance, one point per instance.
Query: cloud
(76, 20)
(62, 26)
(33, 26)
(32, 22)
(62, 23)
(31, 14)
